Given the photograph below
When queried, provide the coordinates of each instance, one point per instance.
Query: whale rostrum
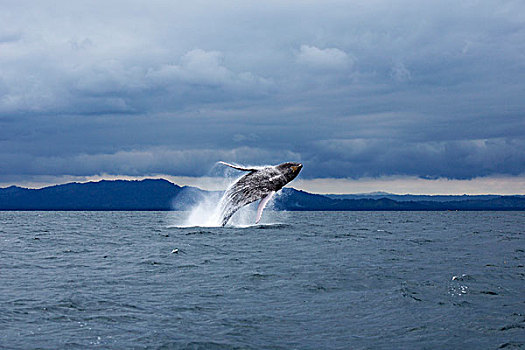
(259, 183)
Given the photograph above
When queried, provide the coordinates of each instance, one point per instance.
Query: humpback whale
(259, 183)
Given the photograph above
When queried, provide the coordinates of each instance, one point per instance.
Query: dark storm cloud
(431, 89)
(452, 159)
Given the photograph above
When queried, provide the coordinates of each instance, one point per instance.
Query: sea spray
(203, 208)
(206, 212)
(211, 209)
(200, 208)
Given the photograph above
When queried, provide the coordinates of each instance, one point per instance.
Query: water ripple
(326, 280)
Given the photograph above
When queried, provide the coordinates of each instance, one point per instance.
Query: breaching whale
(260, 183)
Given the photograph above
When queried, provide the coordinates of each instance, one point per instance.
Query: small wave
(463, 277)
(189, 266)
(192, 226)
(421, 241)
(151, 262)
(200, 232)
(462, 303)
(271, 226)
(511, 345)
(488, 292)
(105, 319)
(345, 235)
(66, 304)
(259, 276)
(512, 326)
(198, 346)
(408, 292)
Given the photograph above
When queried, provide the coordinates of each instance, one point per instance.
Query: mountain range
(159, 194)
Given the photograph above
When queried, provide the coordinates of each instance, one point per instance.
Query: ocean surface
(302, 280)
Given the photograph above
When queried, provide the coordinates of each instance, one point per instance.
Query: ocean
(301, 280)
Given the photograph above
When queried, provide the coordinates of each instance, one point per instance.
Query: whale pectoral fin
(236, 166)
(262, 204)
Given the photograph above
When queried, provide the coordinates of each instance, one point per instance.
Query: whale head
(290, 170)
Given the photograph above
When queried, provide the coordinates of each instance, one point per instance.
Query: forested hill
(159, 194)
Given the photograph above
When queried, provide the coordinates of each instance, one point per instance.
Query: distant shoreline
(162, 195)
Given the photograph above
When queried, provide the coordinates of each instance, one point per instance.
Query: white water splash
(207, 211)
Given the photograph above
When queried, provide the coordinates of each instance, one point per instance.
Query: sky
(403, 96)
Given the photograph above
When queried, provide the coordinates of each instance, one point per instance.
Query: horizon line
(392, 185)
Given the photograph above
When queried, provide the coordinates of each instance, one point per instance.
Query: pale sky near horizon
(395, 184)
(400, 96)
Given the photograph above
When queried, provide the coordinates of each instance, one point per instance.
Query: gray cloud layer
(352, 89)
